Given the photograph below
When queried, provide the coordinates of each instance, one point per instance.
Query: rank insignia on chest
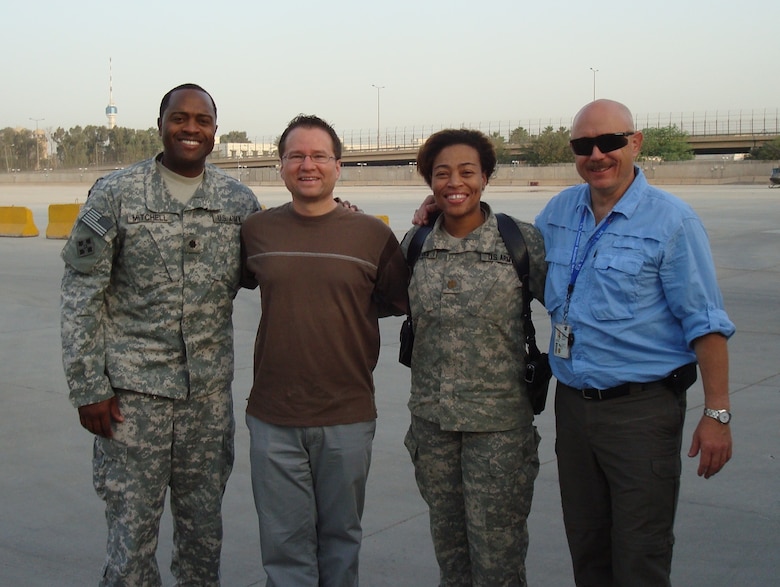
(193, 244)
(85, 247)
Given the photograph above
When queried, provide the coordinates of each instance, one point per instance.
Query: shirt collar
(628, 203)
(159, 200)
(483, 238)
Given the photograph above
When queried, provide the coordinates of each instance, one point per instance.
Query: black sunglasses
(605, 143)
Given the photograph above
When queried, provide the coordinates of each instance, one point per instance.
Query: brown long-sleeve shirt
(324, 282)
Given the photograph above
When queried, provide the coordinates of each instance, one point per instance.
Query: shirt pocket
(558, 277)
(468, 286)
(614, 285)
(495, 291)
(222, 254)
(143, 257)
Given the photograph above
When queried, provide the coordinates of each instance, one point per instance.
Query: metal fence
(729, 122)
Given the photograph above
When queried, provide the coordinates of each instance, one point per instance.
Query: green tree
(551, 146)
(99, 146)
(17, 149)
(126, 146)
(499, 143)
(82, 147)
(234, 136)
(519, 136)
(65, 157)
(120, 141)
(148, 143)
(667, 143)
(767, 152)
(72, 149)
(7, 146)
(22, 149)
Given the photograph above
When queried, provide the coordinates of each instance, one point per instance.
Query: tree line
(667, 143)
(552, 146)
(99, 146)
(78, 147)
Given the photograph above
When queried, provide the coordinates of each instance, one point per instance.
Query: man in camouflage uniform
(472, 438)
(151, 269)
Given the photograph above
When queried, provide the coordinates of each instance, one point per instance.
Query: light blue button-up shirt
(646, 290)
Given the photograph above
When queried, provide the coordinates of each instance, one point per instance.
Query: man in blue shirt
(634, 301)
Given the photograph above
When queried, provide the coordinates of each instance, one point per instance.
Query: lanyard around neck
(576, 265)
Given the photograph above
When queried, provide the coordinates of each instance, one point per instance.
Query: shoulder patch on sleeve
(88, 242)
(85, 247)
(96, 221)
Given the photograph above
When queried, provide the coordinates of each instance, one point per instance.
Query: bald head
(600, 117)
(609, 166)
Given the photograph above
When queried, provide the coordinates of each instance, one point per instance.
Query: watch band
(722, 416)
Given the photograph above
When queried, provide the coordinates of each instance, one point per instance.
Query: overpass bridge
(729, 144)
(703, 144)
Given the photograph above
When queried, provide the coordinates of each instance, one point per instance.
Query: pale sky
(440, 63)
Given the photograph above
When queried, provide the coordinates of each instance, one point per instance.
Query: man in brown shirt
(326, 274)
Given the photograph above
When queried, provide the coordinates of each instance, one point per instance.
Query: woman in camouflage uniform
(472, 438)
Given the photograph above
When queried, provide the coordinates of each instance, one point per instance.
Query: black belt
(679, 380)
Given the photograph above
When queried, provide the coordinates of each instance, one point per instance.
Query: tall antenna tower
(111, 108)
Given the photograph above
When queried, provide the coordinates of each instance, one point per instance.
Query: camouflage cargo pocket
(410, 442)
(109, 464)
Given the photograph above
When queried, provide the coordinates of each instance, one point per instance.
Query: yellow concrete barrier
(17, 221)
(384, 218)
(61, 219)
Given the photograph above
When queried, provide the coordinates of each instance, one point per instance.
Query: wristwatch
(722, 416)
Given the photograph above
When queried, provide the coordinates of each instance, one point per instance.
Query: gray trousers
(619, 471)
(309, 487)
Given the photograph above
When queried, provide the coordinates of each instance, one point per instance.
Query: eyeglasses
(606, 143)
(298, 158)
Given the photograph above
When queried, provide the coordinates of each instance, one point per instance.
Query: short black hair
(310, 121)
(167, 97)
(456, 136)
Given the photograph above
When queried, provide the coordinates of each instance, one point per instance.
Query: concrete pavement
(52, 529)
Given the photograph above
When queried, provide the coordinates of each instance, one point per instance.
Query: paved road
(52, 530)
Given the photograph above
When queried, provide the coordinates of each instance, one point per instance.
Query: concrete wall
(665, 173)
(54, 177)
(701, 172)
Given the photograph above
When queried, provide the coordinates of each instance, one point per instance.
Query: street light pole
(594, 82)
(37, 144)
(377, 112)
(7, 166)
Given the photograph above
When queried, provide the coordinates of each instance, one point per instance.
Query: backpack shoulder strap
(515, 244)
(412, 254)
(415, 246)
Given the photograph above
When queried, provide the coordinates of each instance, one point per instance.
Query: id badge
(561, 341)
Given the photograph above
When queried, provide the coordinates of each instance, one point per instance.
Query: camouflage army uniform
(472, 438)
(147, 299)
